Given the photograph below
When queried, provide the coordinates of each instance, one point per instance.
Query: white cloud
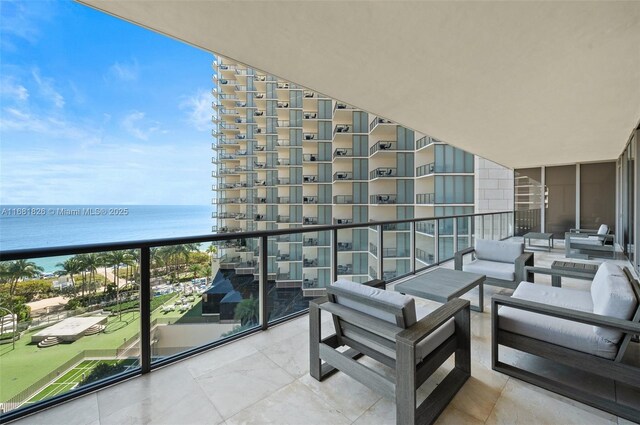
(13, 91)
(139, 127)
(198, 110)
(125, 71)
(45, 85)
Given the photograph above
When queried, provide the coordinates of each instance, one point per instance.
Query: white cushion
(566, 333)
(502, 251)
(494, 269)
(612, 296)
(603, 229)
(395, 299)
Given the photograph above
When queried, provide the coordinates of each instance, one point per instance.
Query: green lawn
(28, 363)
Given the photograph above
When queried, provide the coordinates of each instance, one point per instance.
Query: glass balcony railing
(129, 314)
(425, 198)
(383, 198)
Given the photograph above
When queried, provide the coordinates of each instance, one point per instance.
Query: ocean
(24, 227)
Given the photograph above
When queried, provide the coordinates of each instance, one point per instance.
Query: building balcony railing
(383, 172)
(309, 115)
(383, 199)
(425, 170)
(237, 250)
(310, 178)
(343, 199)
(309, 220)
(373, 249)
(425, 198)
(342, 220)
(383, 146)
(309, 136)
(342, 128)
(342, 176)
(425, 141)
(309, 199)
(377, 121)
(341, 106)
(314, 157)
(344, 153)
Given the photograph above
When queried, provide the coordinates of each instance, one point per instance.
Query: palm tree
(212, 250)
(196, 269)
(20, 269)
(247, 311)
(90, 263)
(71, 266)
(116, 258)
(104, 262)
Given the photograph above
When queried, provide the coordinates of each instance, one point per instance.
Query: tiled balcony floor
(264, 379)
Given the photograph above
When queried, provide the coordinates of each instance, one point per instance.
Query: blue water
(59, 225)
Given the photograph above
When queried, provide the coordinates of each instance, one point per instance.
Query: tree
(116, 258)
(89, 263)
(196, 269)
(247, 311)
(71, 266)
(18, 270)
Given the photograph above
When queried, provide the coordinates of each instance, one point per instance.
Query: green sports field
(70, 379)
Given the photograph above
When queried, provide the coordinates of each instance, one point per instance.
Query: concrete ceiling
(520, 83)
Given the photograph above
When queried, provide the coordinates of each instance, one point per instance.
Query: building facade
(286, 157)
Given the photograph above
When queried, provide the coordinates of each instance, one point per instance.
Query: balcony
(383, 146)
(379, 121)
(343, 199)
(309, 220)
(342, 176)
(283, 333)
(383, 172)
(383, 199)
(425, 198)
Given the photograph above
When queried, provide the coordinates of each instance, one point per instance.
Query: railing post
(334, 254)
(491, 229)
(455, 235)
(263, 281)
(436, 241)
(380, 243)
(145, 309)
(412, 246)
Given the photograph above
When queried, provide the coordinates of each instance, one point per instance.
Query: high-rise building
(289, 157)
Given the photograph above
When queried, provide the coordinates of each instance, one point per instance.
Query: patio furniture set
(573, 342)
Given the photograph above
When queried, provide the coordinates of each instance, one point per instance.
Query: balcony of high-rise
(547, 89)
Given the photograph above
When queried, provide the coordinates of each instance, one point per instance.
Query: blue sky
(94, 110)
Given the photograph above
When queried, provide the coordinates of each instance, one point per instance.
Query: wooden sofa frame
(525, 259)
(406, 377)
(615, 369)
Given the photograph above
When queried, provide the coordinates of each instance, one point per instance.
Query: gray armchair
(384, 325)
(503, 262)
(583, 243)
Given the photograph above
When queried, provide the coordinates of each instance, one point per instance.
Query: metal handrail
(22, 254)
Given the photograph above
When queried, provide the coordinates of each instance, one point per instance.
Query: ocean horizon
(38, 226)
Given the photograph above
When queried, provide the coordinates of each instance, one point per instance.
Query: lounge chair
(579, 339)
(385, 326)
(585, 243)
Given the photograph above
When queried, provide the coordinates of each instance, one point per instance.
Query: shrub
(103, 370)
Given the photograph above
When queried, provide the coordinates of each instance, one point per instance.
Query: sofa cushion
(496, 270)
(396, 299)
(603, 229)
(502, 251)
(566, 333)
(612, 296)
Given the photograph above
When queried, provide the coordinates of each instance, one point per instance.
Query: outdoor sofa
(577, 338)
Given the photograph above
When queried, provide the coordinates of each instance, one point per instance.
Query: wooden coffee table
(443, 285)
